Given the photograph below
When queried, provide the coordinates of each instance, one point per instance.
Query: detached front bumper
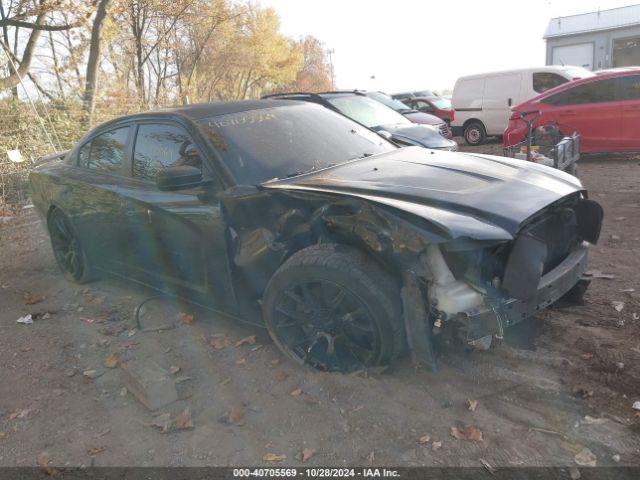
(485, 320)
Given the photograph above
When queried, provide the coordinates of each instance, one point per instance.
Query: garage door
(580, 55)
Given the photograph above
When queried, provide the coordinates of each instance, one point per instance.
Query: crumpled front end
(485, 291)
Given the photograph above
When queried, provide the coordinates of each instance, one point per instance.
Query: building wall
(603, 44)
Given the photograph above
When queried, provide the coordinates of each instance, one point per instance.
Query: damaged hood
(467, 195)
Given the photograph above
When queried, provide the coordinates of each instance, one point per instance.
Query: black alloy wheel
(330, 307)
(67, 248)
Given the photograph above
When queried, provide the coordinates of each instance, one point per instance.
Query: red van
(604, 110)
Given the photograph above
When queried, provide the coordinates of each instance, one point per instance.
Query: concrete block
(151, 384)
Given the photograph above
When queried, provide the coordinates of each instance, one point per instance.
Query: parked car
(438, 106)
(402, 96)
(604, 110)
(290, 214)
(412, 114)
(376, 116)
(482, 103)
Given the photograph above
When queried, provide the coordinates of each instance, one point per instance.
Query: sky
(421, 44)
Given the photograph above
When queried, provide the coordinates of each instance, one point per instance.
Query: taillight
(452, 114)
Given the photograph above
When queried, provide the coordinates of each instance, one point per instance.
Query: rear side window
(107, 151)
(629, 87)
(160, 146)
(543, 81)
(593, 92)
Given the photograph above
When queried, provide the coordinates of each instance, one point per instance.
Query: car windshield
(265, 144)
(368, 112)
(441, 103)
(397, 105)
(425, 93)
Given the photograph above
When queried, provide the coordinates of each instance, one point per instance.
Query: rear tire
(332, 307)
(475, 133)
(67, 249)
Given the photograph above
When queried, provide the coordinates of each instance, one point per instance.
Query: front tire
(67, 248)
(332, 307)
(475, 133)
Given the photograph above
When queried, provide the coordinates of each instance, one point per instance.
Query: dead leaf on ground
(43, 459)
(250, 340)
(186, 318)
(241, 361)
(225, 381)
(174, 369)
(296, 393)
(310, 399)
(371, 457)
(273, 457)
(472, 405)
(423, 440)
(163, 422)
(220, 343)
(276, 361)
(95, 450)
(281, 376)
(585, 458)
(436, 446)
(112, 360)
(469, 432)
(20, 413)
(307, 453)
(183, 420)
(32, 298)
(618, 305)
(235, 416)
(92, 374)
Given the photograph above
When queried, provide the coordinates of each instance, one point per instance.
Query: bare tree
(94, 56)
(33, 19)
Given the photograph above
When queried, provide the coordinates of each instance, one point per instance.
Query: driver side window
(160, 146)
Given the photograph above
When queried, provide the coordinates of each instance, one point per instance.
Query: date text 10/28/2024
(316, 472)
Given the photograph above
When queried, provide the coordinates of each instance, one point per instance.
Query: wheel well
(473, 120)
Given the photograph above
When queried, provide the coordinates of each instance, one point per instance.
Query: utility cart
(546, 145)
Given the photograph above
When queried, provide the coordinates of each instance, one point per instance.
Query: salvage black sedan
(351, 250)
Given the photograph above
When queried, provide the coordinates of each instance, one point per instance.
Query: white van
(483, 102)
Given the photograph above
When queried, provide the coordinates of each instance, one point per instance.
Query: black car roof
(203, 110)
(198, 111)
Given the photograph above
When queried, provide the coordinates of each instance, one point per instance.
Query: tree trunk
(13, 79)
(94, 57)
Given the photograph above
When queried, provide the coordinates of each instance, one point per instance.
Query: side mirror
(178, 178)
(386, 135)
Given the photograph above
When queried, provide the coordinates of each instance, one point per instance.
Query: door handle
(568, 113)
(510, 101)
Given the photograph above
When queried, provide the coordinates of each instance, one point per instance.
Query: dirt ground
(535, 406)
